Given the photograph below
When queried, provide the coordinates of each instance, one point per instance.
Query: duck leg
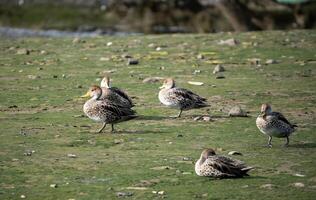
(287, 141)
(179, 113)
(100, 130)
(270, 142)
(112, 128)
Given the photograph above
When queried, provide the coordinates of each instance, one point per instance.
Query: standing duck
(114, 94)
(218, 166)
(179, 98)
(105, 111)
(274, 124)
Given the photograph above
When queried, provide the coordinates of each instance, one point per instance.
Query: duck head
(94, 92)
(206, 153)
(168, 84)
(105, 82)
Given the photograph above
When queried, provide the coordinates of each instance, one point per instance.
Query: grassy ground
(42, 113)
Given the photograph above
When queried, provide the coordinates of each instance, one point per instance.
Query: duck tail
(246, 169)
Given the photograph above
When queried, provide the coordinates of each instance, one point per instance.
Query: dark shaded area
(158, 16)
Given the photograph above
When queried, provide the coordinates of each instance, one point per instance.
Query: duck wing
(281, 117)
(227, 167)
(122, 94)
(186, 97)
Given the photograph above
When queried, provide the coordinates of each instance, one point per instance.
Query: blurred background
(99, 17)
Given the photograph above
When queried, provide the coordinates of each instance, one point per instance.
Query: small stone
(234, 153)
(162, 68)
(23, 52)
(298, 185)
(271, 61)
(186, 173)
(218, 68)
(229, 42)
(109, 44)
(63, 76)
(132, 61)
(186, 159)
(200, 56)
(118, 141)
(197, 118)
(154, 192)
(151, 45)
(195, 83)
(33, 77)
(23, 196)
(219, 75)
(236, 111)
(245, 186)
(21, 70)
(197, 71)
(104, 59)
(204, 195)
(300, 175)
(152, 79)
(70, 155)
(158, 48)
(53, 185)
(267, 186)
(207, 118)
(43, 52)
(76, 40)
(124, 194)
(213, 86)
(161, 192)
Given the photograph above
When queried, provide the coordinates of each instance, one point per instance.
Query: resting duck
(114, 94)
(179, 98)
(274, 124)
(218, 166)
(105, 111)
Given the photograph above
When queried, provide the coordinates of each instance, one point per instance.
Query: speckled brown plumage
(274, 124)
(105, 111)
(218, 166)
(179, 98)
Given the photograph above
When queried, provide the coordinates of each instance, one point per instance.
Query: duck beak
(86, 95)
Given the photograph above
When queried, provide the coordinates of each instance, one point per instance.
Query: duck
(105, 111)
(115, 94)
(274, 124)
(217, 166)
(179, 98)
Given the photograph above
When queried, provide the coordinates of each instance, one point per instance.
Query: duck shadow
(133, 132)
(150, 117)
(300, 145)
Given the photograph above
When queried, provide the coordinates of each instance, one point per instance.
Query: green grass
(45, 117)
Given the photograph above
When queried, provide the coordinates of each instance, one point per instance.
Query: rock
(219, 75)
(271, 61)
(70, 155)
(236, 111)
(118, 141)
(207, 118)
(132, 61)
(195, 83)
(197, 71)
(300, 175)
(161, 192)
(200, 56)
(298, 185)
(152, 79)
(33, 77)
(43, 52)
(23, 52)
(77, 40)
(255, 61)
(124, 194)
(218, 68)
(267, 186)
(229, 42)
(109, 44)
(104, 59)
(158, 48)
(186, 173)
(234, 153)
(197, 118)
(28, 153)
(53, 185)
(187, 159)
(136, 188)
(151, 45)
(22, 196)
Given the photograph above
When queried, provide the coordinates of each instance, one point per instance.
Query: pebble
(152, 79)
(234, 153)
(236, 111)
(161, 192)
(70, 155)
(200, 56)
(118, 141)
(219, 75)
(53, 185)
(33, 77)
(109, 44)
(124, 194)
(218, 68)
(132, 61)
(23, 52)
(197, 71)
(43, 52)
(23, 196)
(267, 186)
(300, 175)
(229, 42)
(271, 61)
(299, 185)
(104, 59)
